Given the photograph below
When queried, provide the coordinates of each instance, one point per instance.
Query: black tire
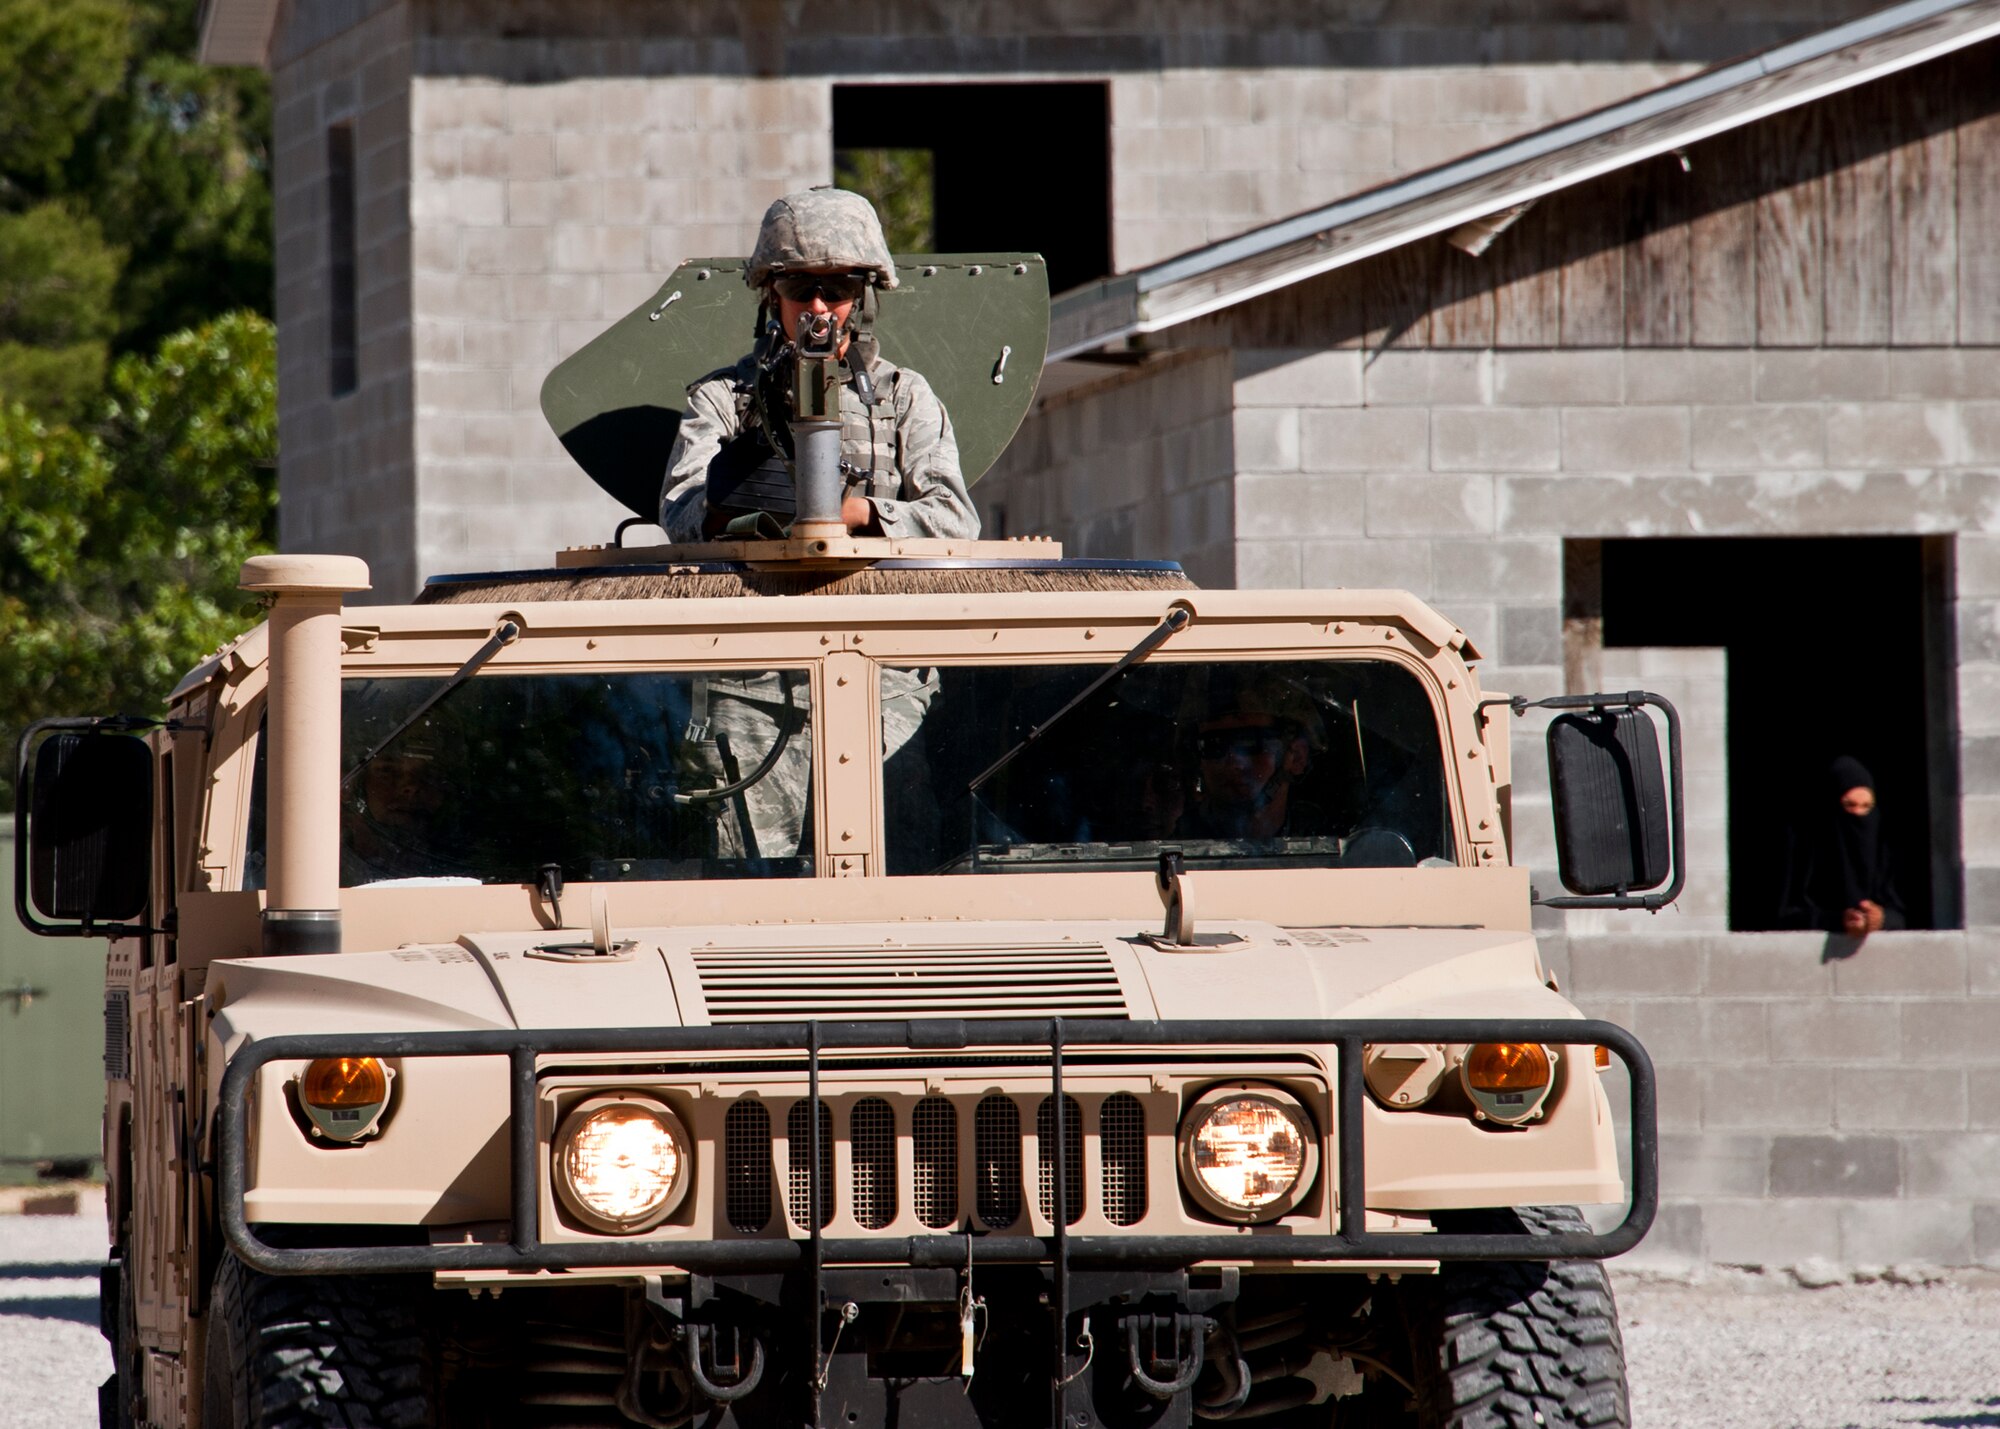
(1516, 1344)
(313, 1352)
(118, 1405)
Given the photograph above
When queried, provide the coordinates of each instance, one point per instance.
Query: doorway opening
(1835, 646)
(993, 168)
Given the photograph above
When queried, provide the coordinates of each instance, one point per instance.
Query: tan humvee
(620, 994)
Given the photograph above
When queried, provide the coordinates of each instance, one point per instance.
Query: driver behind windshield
(1256, 733)
(388, 819)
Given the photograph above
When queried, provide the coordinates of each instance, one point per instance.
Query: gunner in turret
(820, 254)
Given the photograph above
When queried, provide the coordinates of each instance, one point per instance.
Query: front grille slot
(872, 1143)
(798, 1193)
(934, 1132)
(1045, 1131)
(996, 1152)
(1121, 1137)
(1105, 1153)
(746, 1163)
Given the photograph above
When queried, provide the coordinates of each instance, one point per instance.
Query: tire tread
(1520, 1344)
(314, 1352)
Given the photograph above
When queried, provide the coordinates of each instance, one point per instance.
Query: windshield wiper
(506, 635)
(1176, 621)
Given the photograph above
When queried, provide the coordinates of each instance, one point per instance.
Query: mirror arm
(1677, 832)
(93, 724)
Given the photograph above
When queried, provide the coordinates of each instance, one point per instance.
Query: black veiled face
(1858, 801)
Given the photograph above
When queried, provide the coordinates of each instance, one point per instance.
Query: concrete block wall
(541, 213)
(346, 466)
(1818, 1098)
(1139, 465)
(1460, 473)
(1201, 154)
(543, 175)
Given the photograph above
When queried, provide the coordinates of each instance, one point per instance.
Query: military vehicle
(838, 981)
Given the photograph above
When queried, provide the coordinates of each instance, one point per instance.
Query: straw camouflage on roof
(707, 582)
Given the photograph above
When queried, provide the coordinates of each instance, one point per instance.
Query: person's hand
(1871, 913)
(857, 513)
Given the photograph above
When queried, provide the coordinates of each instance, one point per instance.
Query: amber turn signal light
(1603, 1056)
(1507, 1067)
(344, 1082)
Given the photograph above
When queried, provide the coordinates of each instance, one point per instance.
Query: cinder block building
(1648, 365)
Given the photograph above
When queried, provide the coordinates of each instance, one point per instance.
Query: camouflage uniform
(903, 442)
(747, 711)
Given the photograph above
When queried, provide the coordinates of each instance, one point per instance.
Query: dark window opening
(1835, 646)
(343, 375)
(1011, 168)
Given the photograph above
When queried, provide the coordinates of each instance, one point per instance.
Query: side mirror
(1618, 833)
(87, 844)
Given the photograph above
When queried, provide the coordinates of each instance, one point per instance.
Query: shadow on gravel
(1989, 1420)
(80, 1308)
(52, 1270)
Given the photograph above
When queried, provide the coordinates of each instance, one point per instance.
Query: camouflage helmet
(825, 230)
(1232, 694)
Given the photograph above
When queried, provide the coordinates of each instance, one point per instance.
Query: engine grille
(798, 1131)
(1064, 979)
(996, 1160)
(1121, 1133)
(747, 1165)
(934, 1134)
(1045, 1130)
(872, 1137)
(873, 1186)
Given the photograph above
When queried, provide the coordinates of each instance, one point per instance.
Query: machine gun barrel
(817, 484)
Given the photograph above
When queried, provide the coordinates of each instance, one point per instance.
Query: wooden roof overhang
(1512, 175)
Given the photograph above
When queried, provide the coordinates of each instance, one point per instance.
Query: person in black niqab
(1839, 877)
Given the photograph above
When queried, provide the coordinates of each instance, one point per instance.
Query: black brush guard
(527, 1251)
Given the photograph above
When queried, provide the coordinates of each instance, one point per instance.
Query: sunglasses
(836, 288)
(1244, 743)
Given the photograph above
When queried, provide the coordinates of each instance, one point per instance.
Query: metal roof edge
(1103, 312)
(237, 32)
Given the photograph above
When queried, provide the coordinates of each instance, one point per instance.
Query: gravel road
(51, 1356)
(1732, 1351)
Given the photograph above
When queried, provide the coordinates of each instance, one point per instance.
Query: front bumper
(526, 1250)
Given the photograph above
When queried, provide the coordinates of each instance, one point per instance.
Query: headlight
(1508, 1081)
(344, 1097)
(1247, 1153)
(622, 1163)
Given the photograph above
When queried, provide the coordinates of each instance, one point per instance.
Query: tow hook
(1165, 1352)
(723, 1381)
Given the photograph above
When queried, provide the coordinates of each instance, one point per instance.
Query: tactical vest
(867, 433)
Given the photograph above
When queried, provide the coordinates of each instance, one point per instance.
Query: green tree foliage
(138, 427)
(135, 196)
(176, 167)
(60, 59)
(120, 539)
(901, 183)
(57, 276)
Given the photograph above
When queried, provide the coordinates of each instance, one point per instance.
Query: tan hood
(735, 975)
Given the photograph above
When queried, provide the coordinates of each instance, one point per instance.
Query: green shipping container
(51, 1045)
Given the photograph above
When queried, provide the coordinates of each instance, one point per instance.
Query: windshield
(608, 776)
(1239, 764)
